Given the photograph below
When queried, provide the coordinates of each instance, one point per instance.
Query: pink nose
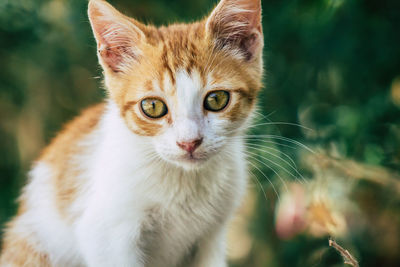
(191, 145)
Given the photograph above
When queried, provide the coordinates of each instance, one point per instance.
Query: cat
(152, 176)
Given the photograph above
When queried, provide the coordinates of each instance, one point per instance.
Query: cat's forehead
(177, 35)
(180, 52)
(181, 46)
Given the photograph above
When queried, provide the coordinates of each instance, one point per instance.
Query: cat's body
(165, 207)
(117, 188)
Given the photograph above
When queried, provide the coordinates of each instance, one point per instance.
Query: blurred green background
(331, 65)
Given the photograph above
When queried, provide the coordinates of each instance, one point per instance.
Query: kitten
(152, 176)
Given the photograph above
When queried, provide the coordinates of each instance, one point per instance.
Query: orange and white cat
(152, 176)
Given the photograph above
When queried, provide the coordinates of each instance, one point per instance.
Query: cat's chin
(189, 162)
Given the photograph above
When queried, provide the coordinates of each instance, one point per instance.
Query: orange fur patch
(59, 155)
(19, 252)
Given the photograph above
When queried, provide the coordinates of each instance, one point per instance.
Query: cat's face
(190, 87)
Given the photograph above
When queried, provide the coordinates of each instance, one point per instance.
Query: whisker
(260, 185)
(230, 153)
(290, 165)
(261, 115)
(258, 116)
(270, 114)
(276, 150)
(262, 140)
(283, 139)
(281, 123)
(269, 167)
(273, 187)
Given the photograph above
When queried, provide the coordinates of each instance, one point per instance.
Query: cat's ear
(116, 35)
(236, 24)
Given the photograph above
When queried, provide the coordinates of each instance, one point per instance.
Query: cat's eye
(153, 108)
(216, 100)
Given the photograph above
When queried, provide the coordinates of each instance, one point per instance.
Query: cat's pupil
(215, 97)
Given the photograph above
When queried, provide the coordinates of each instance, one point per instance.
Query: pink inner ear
(116, 36)
(251, 44)
(114, 57)
(115, 44)
(237, 23)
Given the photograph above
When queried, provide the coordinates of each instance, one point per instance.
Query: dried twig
(348, 258)
(358, 170)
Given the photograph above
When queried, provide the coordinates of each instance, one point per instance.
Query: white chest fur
(140, 210)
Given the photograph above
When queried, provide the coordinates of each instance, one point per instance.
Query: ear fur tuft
(236, 24)
(117, 37)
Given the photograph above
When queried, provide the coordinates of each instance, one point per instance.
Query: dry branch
(358, 170)
(347, 257)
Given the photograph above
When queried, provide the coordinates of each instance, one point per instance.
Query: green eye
(154, 108)
(216, 100)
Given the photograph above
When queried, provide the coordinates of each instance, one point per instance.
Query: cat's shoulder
(74, 131)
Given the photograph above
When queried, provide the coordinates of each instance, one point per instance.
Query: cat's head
(190, 87)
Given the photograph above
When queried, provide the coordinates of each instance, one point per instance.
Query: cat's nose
(190, 146)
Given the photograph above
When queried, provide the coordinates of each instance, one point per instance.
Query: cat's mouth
(193, 158)
(187, 160)
(190, 160)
